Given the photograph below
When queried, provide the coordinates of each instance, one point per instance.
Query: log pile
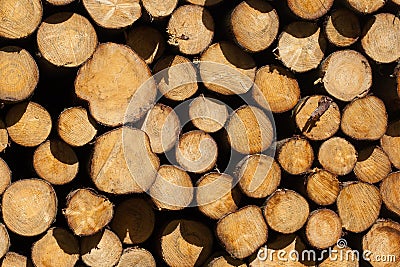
(199, 133)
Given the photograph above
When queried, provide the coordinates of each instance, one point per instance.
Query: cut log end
(286, 211)
(137, 257)
(243, 231)
(254, 25)
(310, 10)
(225, 261)
(296, 155)
(342, 28)
(348, 259)
(366, 6)
(59, 2)
(12, 259)
(208, 114)
(4, 142)
(204, 2)
(159, 9)
(358, 205)
(23, 218)
(4, 240)
(87, 212)
(373, 165)
(389, 191)
(5, 176)
(390, 143)
(322, 187)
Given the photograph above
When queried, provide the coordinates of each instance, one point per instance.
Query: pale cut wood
(195, 243)
(337, 155)
(259, 175)
(311, 9)
(390, 192)
(301, 46)
(346, 75)
(276, 88)
(342, 28)
(249, 130)
(358, 205)
(147, 42)
(66, 39)
(172, 189)
(348, 259)
(286, 211)
(397, 2)
(196, 151)
(295, 155)
(365, 119)
(242, 232)
(75, 127)
(190, 29)
(383, 241)
(12, 259)
(313, 126)
(19, 18)
(57, 248)
(28, 124)
(136, 257)
(323, 228)
(114, 14)
(381, 38)
(366, 6)
(390, 143)
(121, 74)
(176, 77)
(4, 240)
(227, 69)
(208, 114)
(204, 2)
(216, 195)
(60, 2)
(4, 142)
(29, 206)
(87, 212)
(162, 126)
(254, 24)
(373, 165)
(322, 187)
(55, 162)
(159, 9)
(122, 162)
(268, 255)
(20, 74)
(225, 261)
(5, 176)
(133, 221)
(101, 250)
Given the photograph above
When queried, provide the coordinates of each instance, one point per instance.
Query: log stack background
(327, 68)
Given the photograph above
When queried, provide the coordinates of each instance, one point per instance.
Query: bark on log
(286, 211)
(20, 18)
(249, 130)
(323, 228)
(147, 42)
(20, 74)
(342, 28)
(242, 232)
(381, 38)
(322, 187)
(310, 10)
(196, 152)
(346, 75)
(216, 195)
(254, 25)
(121, 74)
(337, 156)
(122, 162)
(29, 207)
(87, 212)
(358, 205)
(227, 69)
(114, 14)
(136, 257)
(101, 250)
(276, 89)
(195, 243)
(66, 39)
(55, 162)
(373, 165)
(159, 9)
(295, 155)
(75, 127)
(190, 29)
(57, 248)
(208, 114)
(133, 221)
(301, 46)
(390, 192)
(390, 143)
(28, 124)
(259, 175)
(365, 119)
